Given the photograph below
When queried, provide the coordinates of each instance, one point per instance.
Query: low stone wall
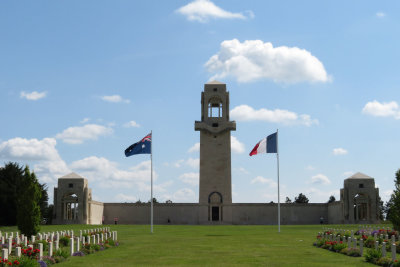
(238, 213)
(335, 213)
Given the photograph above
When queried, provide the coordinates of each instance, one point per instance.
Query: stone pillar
(18, 252)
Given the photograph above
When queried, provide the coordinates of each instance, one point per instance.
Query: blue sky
(82, 80)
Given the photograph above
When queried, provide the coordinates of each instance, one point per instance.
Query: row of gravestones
(352, 242)
(96, 236)
(368, 230)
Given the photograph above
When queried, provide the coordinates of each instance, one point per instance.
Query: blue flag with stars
(141, 147)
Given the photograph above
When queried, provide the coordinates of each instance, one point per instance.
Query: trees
(331, 199)
(301, 199)
(28, 211)
(288, 200)
(10, 179)
(393, 205)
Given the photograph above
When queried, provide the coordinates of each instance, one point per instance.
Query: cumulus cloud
(236, 145)
(41, 154)
(79, 134)
(247, 113)
(131, 124)
(85, 120)
(125, 198)
(262, 180)
(115, 99)
(204, 10)
(33, 95)
(339, 151)
(194, 148)
(310, 168)
(385, 109)
(320, 179)
(191, 178)
(348, 173)
(254, 60)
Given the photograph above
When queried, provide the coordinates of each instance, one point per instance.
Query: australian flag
(141, 147)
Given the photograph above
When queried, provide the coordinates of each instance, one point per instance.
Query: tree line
(23, 199)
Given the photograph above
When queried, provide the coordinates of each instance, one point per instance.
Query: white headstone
(383, 249)
(361, 246)
(33, 239)
(93, 239)
(40, 251)
(18, 252)
(78, 244)
(83, 239)
(98, 238)
(72, 246)
(2, 240)
(9, 245)
(50, 248)
(25, 241)
(56, 245)
(4, 254)
(376, 245)
(393, 248)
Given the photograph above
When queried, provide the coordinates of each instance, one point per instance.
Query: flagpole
(279, 198)
(151, 159)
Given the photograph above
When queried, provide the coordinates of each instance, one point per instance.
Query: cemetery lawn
(222, 245)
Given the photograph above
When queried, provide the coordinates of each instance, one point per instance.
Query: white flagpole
(151, 159)
(279, 198)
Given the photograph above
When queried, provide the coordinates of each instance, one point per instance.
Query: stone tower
(360, 199)
(215, 187)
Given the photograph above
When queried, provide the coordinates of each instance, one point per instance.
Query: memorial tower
(215, 188)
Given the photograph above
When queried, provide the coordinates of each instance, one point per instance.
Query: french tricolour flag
(266, 145)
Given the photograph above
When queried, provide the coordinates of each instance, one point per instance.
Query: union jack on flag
(141, 147)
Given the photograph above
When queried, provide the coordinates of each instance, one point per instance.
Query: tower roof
(360, 175)
(71, 176)
(215, 82)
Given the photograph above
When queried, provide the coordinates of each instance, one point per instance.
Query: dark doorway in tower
(215, 213)
(215, 207)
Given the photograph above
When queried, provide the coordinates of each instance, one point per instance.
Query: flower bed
(374, 243)
(31, 255)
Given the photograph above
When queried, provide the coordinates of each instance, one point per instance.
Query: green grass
(211, 246)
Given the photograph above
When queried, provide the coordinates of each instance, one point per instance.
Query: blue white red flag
(141, 147)
(266, 145)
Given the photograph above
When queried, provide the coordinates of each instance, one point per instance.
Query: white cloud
(236, 145)
(33, 95)
(247, 113)
(348, 173)
(254, 60)
(131, 124)
(79, 134)
(262, 180)
(385, 109)
(41, 154)
(101, 169)
(320, 179)
(191, 162)
(115, 99)
(125, 198)
(339, 151)
(184, 195)
(380, 15)
(310, 168)
(191, 178)
(194, 148)
(85, 120)
(204, 10)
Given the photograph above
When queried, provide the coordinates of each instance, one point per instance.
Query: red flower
(9, 263)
